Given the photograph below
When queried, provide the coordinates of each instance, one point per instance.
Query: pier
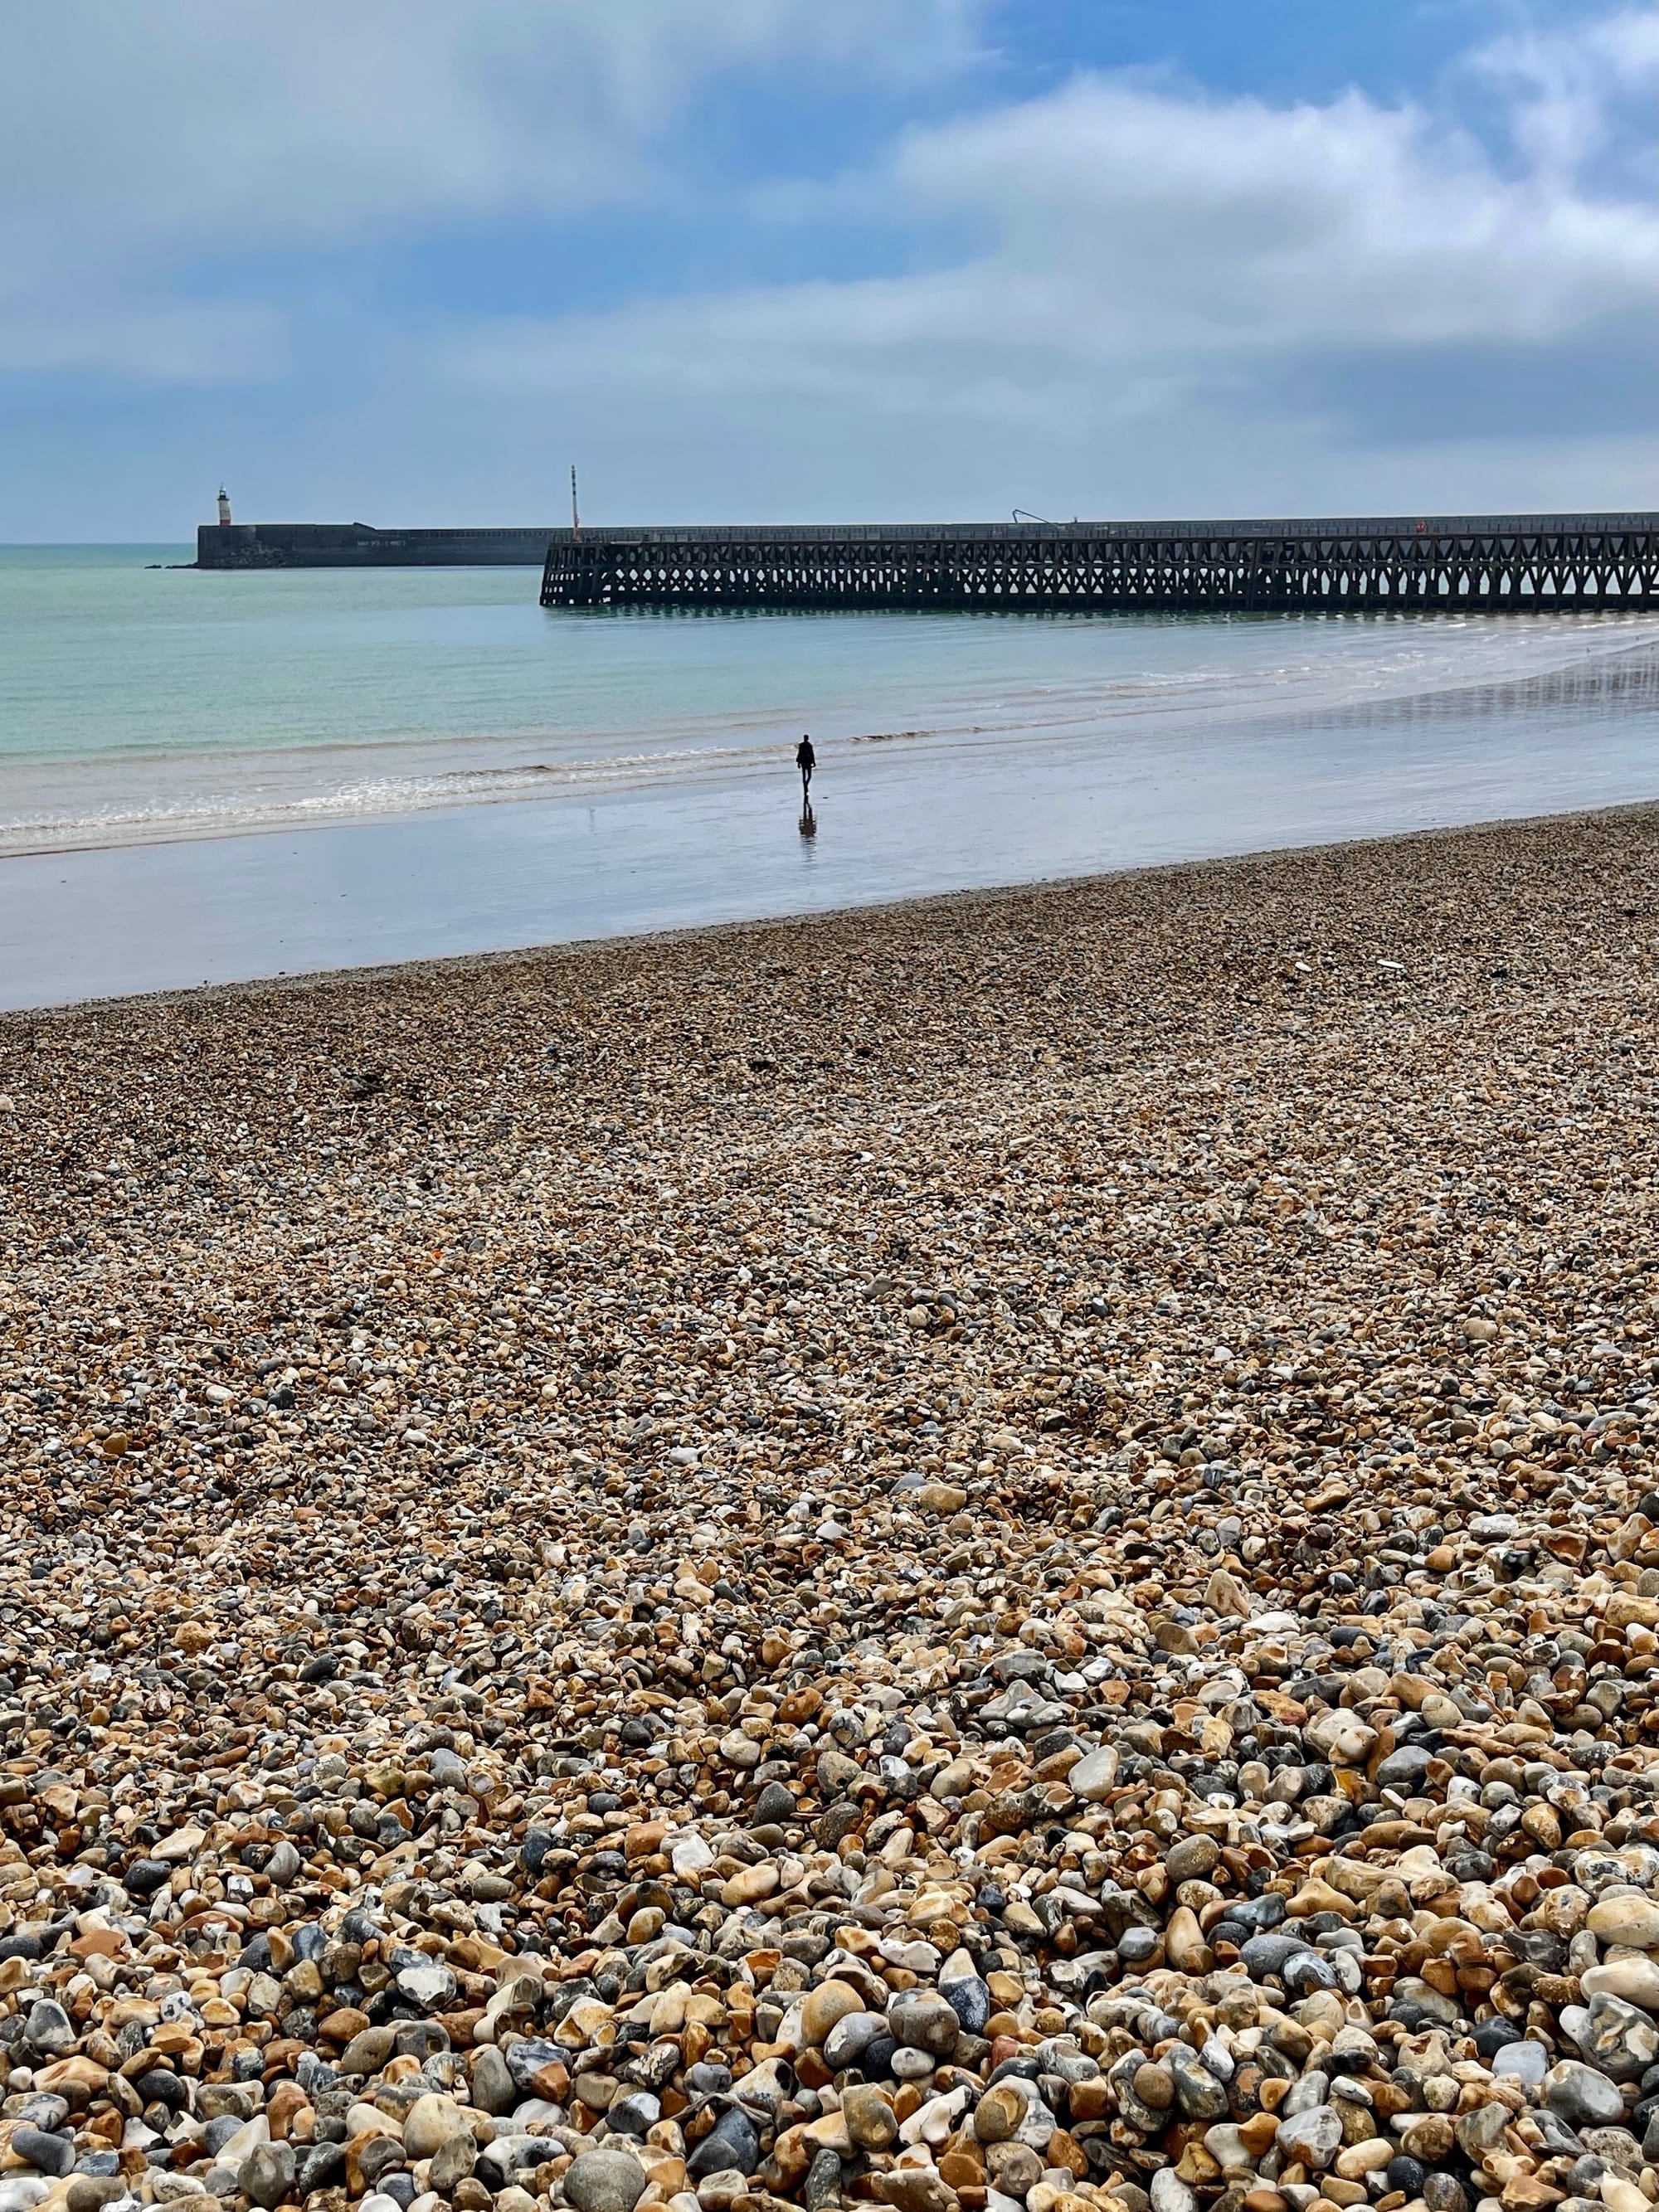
(1493, 563)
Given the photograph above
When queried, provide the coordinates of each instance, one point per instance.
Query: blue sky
(404, 260)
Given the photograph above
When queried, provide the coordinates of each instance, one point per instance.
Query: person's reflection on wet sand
(808, 824)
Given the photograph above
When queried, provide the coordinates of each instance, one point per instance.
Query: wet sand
(892, 821)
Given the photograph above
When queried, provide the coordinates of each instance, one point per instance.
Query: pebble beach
(1001, 1554)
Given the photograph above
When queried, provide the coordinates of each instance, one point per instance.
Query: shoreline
(460, 965)
(1143, 746)
(344, 780)
(587, 779)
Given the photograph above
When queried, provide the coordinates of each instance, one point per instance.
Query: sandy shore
(1084, 1456)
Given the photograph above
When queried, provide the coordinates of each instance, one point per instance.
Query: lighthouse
(224, 508)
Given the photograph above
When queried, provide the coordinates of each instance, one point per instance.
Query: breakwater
(360, 546)
(1494, 563)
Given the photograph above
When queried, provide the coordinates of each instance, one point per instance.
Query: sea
(213, 776)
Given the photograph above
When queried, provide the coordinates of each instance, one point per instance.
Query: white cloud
(1565, 91)
(235, 121)
(1129, 229)
(134, 137)
(1150, 268)
(1234, 223)
(1129, 295)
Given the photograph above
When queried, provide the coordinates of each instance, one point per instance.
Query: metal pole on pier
(575, 516)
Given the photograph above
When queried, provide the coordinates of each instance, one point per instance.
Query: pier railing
(1517, 562)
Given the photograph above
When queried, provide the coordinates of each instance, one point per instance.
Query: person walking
(806, 760)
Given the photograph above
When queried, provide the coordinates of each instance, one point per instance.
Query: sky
(404, 261)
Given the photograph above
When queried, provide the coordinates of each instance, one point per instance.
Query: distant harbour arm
(360, 546)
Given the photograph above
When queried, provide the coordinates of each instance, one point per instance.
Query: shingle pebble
(999, 1554)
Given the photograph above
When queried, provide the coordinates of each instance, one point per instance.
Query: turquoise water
(139, 704)
(212, 776)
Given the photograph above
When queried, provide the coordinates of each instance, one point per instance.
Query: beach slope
(998, 1553)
